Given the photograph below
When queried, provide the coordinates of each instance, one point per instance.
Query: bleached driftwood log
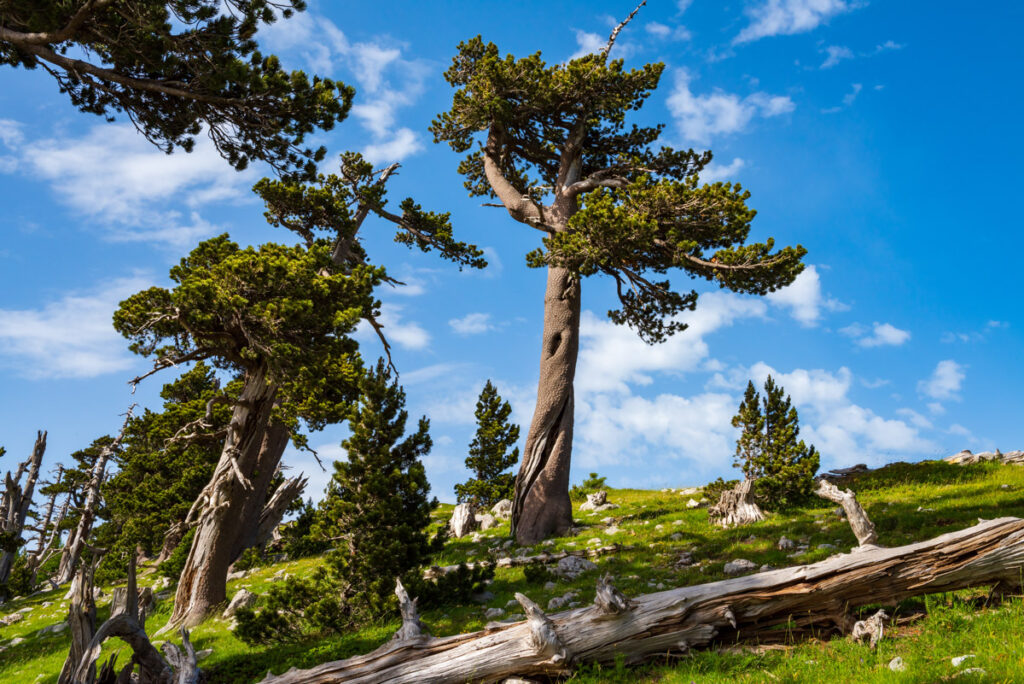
(735, 507)
(861, 525)
(679, 620)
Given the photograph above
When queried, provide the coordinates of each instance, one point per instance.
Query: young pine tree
(491, 453)
(377, 504)
(769, 449)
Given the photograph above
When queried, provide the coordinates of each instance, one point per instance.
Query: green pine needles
(768, 449)
(491, 453)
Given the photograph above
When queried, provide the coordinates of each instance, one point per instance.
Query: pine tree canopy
(492, 452)
(177, 68)
(534, 131)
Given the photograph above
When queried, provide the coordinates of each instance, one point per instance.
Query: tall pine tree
(491, 453)
(769, 449)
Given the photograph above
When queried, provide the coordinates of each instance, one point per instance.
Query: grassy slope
(657, 526)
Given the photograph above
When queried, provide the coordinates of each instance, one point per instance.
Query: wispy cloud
(805, 299)
(880, 335)
(787, 17)
(701, 117)
(713, 172)
(69, 337)
(472, 324)
(945, 381)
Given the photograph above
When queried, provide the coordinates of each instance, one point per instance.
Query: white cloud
(700, 117)
(787, 17)
(849, 98)
(881, 335)
(130, 188)
(804, 298)
(666, 32)
(406, 334)
(945, 381)
(612, 356)
(713, 172)
(836, 54)
(71, 337)
(472, 324)
(589, 43)
(386, 81)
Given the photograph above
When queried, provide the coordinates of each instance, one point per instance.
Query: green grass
(654, 528)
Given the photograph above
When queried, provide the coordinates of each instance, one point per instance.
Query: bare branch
(519, 206)
(615, 31)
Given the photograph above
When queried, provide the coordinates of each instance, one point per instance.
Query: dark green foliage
(284, 312)
(491, 452)
(768, 449)
(298, 537)
(19, 582)
(178, 68)
(712, 491)
(590, 485)
(175, 563)
(638, 208)
(537, 573)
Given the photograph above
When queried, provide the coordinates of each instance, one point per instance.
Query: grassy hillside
(655, 531)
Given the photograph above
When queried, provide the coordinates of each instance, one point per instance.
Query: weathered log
(82, 620)
(861, 525)
(814, 596)
(17, 500)
(735, 508)
(412, 629)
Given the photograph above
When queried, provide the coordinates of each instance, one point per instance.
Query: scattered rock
(659, 527)
(897, 664)
(693, 503)
(492, 613)
(486, 521)
(476, 537)
(502, 510)
(242, 599)
(54, 628)
(557, 603)
(688, 491)
(677, 536)
(511, 603)
(46, 604)
(205, 653)
(1005, 486)
(26, 609)
(572, 567)
(677, 522)
(959, 660)
(483, 596)
(827, 547)
(17, 640)
(598, 501)
(594, 541)
(463, 521)
(685, 558)
(766, 568)
(740, 566)
(548, 586)
(12, 618)
(980, 671)
(750, 540)
(237, 575)
(612, 529)
(786, 544)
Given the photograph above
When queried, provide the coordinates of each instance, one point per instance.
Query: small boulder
(463, 521)
(572, 567)
(786, 544)
(56, 628)
(486, 520)
(502, 510)
(959, 660)
(693, 503)
(897, 664)
(12, 618)
(492, 613)
(548, 586)
(827, 547)
(598, 501)
(483, 596)
(740, 566)
(242, 599)
(205, 653)
(557, 603)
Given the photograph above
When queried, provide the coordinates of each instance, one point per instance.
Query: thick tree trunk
(82, 619)
(234, 501)
(811, 597)
(18, 500)
(541, 506)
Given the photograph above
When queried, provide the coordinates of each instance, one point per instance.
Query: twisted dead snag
(735, 507)
(861, 525)
(17, 500)
(805, 598)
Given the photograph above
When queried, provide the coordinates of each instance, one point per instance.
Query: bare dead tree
(77, 540)
(16, 502)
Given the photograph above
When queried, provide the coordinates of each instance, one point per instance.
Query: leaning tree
(552, 145)
(280, 319)
(177, 68)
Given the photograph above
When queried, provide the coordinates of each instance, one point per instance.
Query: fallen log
(751, 607)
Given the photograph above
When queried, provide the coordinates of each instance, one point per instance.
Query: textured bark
(77, 539)
(861, 525)
(47, 530)
(735, 508)
(541, 506)
(172, 537)
(82, 620)
(805, 598)
(231, 504)
(274, 510)
(17, 501)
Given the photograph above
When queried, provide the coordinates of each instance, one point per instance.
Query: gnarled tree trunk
(736, 507)
(804, 598)
(541, 506)
(18, 500)
(232, 502)
(274, 510)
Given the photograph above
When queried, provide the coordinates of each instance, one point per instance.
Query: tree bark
(861, 525)
(735, 507)
(234, 500)
(805, 598)
(77, 538)
(19, 500)
(82, 619)
(541, 506)
(274, 510)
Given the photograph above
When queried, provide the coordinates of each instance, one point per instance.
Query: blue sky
(883, 136)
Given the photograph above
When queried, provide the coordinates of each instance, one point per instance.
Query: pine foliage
(491, 453)
(769, 450)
